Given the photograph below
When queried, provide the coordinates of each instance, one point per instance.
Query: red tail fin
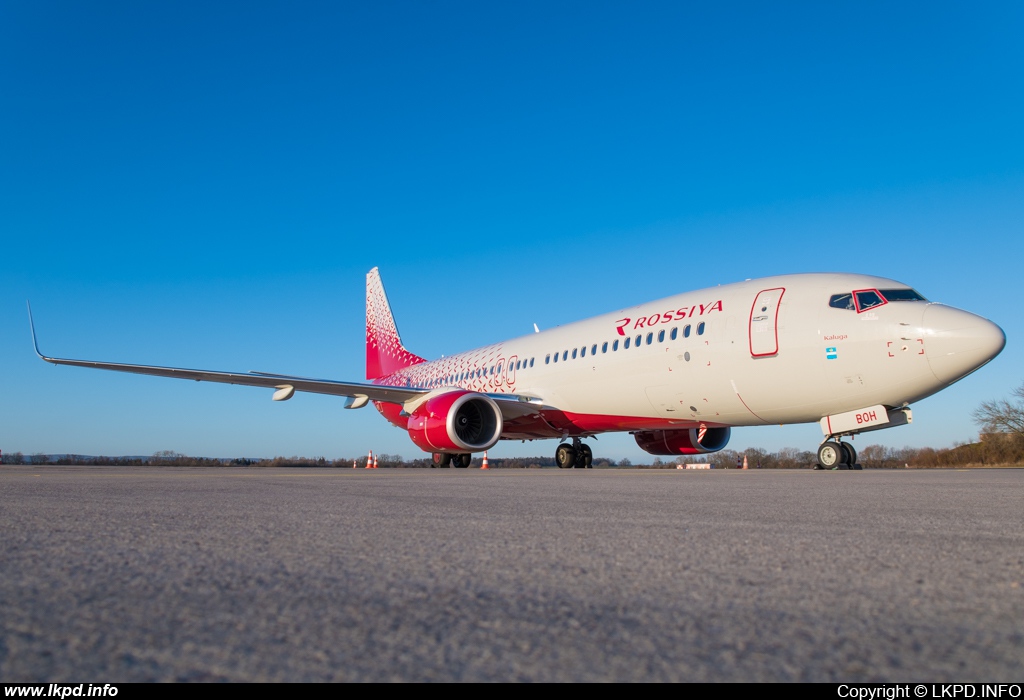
(384, 351)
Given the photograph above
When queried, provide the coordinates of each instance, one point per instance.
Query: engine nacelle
(682, 442)
(459, 421)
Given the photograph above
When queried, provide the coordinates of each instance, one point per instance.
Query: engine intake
(459, 421)
(682, 442)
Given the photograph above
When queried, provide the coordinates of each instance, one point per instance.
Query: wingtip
(32, 328)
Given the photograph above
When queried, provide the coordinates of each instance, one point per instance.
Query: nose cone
(958, 342)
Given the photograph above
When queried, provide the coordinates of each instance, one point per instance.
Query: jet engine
(459, 421)
(682, 442)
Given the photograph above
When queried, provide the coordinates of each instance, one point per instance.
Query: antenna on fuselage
(535, 329)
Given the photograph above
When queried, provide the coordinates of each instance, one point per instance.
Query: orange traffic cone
(375, 461)
(369, 460)
(744, 461)
(484, 465)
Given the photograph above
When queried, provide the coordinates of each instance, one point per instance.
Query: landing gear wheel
(830, 455)
(565, 456)
(586, 457)
(440, 459)
(849, 455)
(462, 461)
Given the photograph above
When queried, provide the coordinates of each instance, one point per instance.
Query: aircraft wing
(373, 392)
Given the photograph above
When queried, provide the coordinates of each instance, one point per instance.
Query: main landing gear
(445, 459)
(577, 455)
(833, 454)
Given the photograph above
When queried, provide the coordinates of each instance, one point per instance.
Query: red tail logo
(385, 353)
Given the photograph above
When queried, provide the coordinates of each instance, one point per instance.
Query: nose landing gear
(833, 454)
(577, 455)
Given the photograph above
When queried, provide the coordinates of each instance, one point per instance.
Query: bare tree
(1002, 415)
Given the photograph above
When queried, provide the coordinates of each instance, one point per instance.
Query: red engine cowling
(459, 421)
(682, 442)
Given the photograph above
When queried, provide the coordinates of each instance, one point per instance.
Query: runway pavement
(248, 574)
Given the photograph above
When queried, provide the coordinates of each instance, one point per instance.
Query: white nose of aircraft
(958, 342)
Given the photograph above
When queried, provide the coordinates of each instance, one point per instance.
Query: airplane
(849, 351)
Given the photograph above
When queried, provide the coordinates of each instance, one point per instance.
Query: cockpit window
(864, 299)
(901, 295)
(867, 299)
(841, 301)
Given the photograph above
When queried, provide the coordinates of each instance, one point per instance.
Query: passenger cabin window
(674, 333)
(650, 338)
(604, 347)
(574, 353)
(547, 359)
(583, 351)
(615, 346)
(625, 344)
(531, 362)
(556, 357)
(565, 355)
(661, 336)
(593, 349)
(700, 328)
(636, 341)
(686, 331)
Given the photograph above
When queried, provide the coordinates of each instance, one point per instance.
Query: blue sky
(206, 186)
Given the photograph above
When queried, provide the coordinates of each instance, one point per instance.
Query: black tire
(849, 454)
(440, 460)
(830, 455)
(587, 456)
(565, 456)
(461, 461)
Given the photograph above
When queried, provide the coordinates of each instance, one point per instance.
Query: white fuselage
(714, 357)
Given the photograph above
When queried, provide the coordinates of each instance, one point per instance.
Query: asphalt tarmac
(248, 574)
